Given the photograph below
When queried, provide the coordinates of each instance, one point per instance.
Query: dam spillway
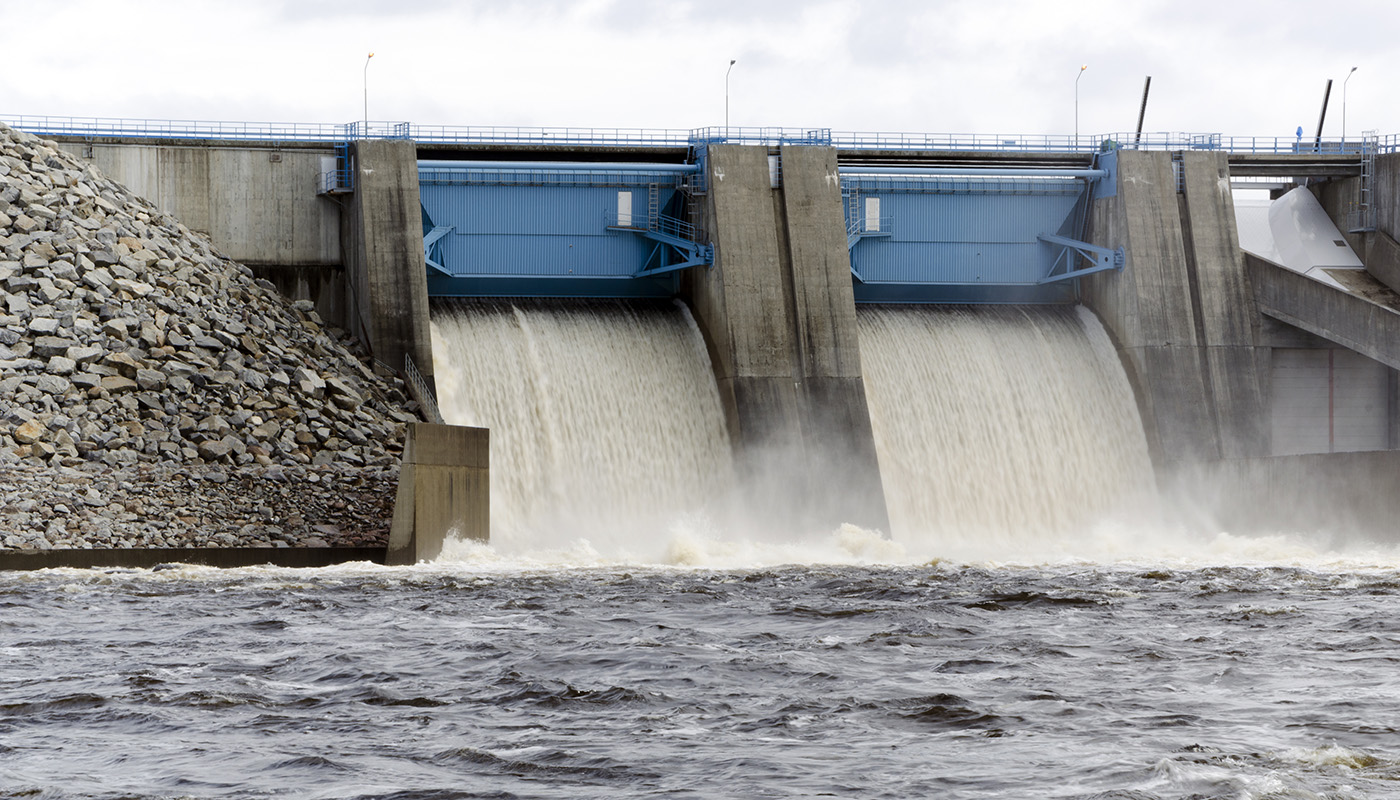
(1009, 423)
(606, 423)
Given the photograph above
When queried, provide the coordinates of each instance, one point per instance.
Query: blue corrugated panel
(538, 231)
(972, 233)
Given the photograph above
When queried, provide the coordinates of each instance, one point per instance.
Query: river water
(1038, 623)
(486, 679)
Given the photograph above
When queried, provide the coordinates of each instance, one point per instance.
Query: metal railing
(677, 138)
(464, 173)
(661, 223)
(862, 226)
(418, 387)
(585, 137)
(176, 129)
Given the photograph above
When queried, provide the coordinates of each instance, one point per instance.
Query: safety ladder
(1360, 219)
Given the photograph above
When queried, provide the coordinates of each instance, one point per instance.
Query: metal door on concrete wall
(1328, 401)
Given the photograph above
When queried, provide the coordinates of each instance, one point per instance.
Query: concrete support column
(1223, 300)
(388, 284)
(1182, 312)
(778, 314)
(835, 415)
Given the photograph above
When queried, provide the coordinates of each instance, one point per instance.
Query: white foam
(605, 419)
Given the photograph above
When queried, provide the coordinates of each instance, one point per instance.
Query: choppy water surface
(848, 681)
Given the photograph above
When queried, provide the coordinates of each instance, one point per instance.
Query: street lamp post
(732, 62)
(365, 134)
(1344, 110)
(1076, 104)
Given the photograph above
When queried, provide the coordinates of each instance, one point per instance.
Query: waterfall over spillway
(992, 424)
(605, 420)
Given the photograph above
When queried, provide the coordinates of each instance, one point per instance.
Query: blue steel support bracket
(1100, 258)
(689, 253)
(1106, 186)
(432, 251)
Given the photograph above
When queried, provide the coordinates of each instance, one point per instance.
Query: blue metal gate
(556, 229)
(968, 235)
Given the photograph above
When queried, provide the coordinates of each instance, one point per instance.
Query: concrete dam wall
(1208, 337)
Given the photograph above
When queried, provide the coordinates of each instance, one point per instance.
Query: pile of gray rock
(130, 347)
(194, 506)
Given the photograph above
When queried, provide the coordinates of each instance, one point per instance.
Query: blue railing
(575, 137)
(1281, 145)
(177, 129)
(676, 138)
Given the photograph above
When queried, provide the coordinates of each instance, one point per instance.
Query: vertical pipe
(732, 62)
(365, 133)
(1076, 104)
(1331, 402)
(1344, 109)
(1142, 112)
(1323, 116)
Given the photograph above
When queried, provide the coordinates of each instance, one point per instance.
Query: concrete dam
(927, 337)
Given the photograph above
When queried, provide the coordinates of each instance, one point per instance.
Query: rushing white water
(1006, 435)
(999, 425)
(605, 420)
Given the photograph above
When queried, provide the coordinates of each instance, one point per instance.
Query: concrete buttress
(1182, 312)
(384, 256)
(779, 317)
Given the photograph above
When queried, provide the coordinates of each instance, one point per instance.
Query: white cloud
(996, 66)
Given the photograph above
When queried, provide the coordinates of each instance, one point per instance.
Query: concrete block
(1383, 260)
(1238, 388)
(1179, 410)
(444, 490)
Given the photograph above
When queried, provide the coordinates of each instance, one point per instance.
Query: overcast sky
(934, 66)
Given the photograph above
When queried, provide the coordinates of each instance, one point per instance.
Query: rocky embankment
(153, 393)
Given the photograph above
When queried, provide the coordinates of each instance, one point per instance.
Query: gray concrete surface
(1341, 317)
(779, 318)
(1382, 259)
(836, 417)
(1181, 313)
(257, 203)
(1354, 497)
(383, 234)
(1228, 325)
(444, 490)
(1147, 308)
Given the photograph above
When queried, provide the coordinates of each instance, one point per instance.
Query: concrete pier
(778, 314)
(384, 256)
(1181, 313)
(444, 490)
